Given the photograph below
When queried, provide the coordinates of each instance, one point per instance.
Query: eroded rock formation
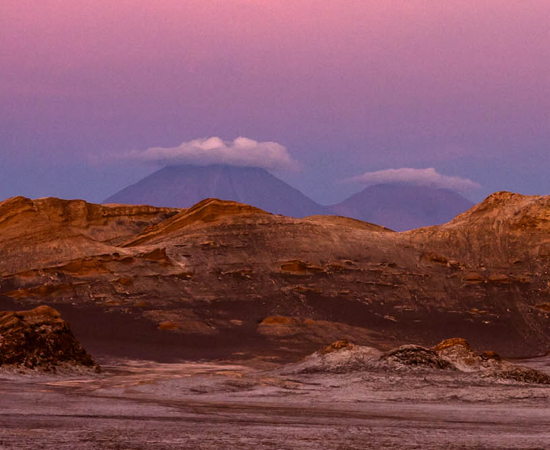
(450, 355)
(40, 339)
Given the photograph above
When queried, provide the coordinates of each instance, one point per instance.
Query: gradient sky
(348, 86)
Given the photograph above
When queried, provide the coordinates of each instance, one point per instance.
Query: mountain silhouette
(185, 185)
(402, 207)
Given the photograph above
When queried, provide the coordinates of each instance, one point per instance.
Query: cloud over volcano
(416, 177)
(241, 152)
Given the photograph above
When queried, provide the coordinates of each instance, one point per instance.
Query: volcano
(185, 185)
(402, 207)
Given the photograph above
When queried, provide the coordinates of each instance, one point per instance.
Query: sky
(344, 91)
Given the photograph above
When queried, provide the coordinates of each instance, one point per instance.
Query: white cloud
(417, 177)
(241, 152)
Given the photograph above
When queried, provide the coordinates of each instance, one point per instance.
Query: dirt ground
(146, 405)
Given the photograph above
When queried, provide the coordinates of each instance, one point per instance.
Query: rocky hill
(223, 279)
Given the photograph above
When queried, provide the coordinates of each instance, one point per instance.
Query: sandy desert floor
(146, 405)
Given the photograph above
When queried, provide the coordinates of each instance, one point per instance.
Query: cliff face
(47, 231)
(205, 281)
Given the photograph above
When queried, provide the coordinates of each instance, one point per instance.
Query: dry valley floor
(146, 405)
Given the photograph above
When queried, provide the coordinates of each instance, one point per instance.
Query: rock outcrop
(450, 355)
(416, 356)
(40, 340)
(210, 210)
(38, 233)
(340, 357)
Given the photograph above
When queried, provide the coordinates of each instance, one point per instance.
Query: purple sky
(348, 87)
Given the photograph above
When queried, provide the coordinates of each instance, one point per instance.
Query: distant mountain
(401, 207)
(183, 186)
(397, 207)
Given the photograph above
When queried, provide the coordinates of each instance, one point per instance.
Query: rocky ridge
(169, 283)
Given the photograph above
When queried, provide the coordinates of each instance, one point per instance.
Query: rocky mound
(450, 355)
(40, 340)
(339, 357)
(506, 229)
(458, 352)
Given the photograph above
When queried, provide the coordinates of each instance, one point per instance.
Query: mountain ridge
(394, 206)
(199, 282)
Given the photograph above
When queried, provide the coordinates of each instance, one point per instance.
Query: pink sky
(344, 85)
